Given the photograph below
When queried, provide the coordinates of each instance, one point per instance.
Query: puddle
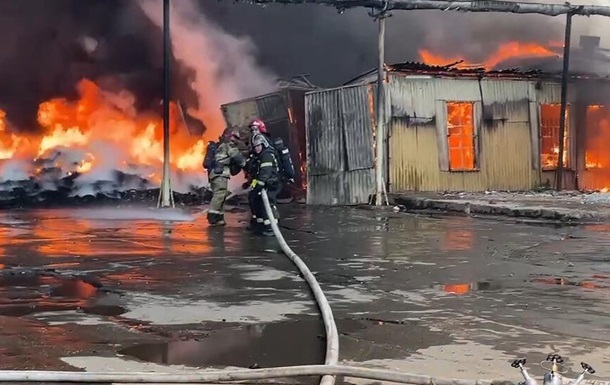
(267, 345)
(595, 282)
(28, 292)
(465, 288)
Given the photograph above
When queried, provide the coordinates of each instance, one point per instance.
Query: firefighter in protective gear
(258, 127)
(228, 162)
(265, 175)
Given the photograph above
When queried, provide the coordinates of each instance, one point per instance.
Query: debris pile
(54, 191)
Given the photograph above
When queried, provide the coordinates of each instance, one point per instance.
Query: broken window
(549, 136)
(461, 136)
(597, 134)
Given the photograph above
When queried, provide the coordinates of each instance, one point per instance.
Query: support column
(166, 196)
(564, 101)
(380, 132)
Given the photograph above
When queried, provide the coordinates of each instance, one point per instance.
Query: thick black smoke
(42, 54)
(46, 47)
(335, 47)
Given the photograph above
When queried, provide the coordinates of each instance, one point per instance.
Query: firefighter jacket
(265, 169)
(227, 157)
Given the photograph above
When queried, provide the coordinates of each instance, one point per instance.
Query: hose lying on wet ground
(247, 374)
(332, 334)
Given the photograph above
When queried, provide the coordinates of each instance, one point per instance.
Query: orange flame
(506, 51)
(100, 118)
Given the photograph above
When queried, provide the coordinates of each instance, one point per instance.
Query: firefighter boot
(267, 231)
(215, 219)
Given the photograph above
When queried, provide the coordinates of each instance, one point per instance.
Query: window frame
(568, 162)
(442, 134)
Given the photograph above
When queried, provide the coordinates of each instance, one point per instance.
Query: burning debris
(97, 146)
(506, 52)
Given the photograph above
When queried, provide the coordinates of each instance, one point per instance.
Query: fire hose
(332, 334)
(245, 375)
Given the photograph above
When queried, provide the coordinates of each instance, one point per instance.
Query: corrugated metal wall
(505, 157)
(339, 146)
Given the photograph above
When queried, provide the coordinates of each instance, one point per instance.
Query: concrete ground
(568, 207)
(91, 289)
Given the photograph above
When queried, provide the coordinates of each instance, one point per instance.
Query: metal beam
(455, 5)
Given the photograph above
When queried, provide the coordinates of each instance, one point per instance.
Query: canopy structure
(455, 5)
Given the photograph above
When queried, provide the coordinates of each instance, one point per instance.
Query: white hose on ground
(247, 374)
(332, 334)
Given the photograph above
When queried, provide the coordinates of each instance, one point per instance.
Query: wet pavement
(449, 296)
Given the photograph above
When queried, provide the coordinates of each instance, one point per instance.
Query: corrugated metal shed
(340, 146)
(506, 107)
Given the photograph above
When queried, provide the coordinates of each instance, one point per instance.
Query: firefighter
(228, 161)
(265, 175)
(258, 127)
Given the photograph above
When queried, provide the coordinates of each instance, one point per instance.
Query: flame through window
(461, 136)
(549, 136)
(598, 130)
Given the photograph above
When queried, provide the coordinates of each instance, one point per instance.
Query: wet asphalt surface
(448, 296)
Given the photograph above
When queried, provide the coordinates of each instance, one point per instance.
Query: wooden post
(564, 101)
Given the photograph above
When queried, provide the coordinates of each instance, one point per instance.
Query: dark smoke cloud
(334, 47)
(42, 53)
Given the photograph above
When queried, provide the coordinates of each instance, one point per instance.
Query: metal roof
(451, 70)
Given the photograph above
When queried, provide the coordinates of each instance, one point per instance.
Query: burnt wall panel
(504, 137)
(326, 152)
(273, 107)
(239, 114)
(357, 112)
(341, 188)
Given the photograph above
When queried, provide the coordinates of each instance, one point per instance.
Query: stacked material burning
(101, 136)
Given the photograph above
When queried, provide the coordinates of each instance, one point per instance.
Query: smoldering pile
(52, 188)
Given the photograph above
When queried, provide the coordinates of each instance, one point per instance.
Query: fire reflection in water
(457, 240)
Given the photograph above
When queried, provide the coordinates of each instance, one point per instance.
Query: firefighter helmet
(259, 140)
(230, 133)
(258, 125)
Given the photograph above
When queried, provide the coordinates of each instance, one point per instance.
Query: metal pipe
(246, 374)
(564, 101)
(165, 193)
(457, 5)
(380, 129)
(332, 334)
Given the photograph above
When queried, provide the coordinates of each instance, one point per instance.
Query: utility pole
(166, 196)
(380, 133)
(564, 102)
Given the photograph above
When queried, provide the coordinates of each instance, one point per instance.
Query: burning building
(463, 127)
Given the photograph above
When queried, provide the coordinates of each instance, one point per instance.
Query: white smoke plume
(224, 69)
(225, 66)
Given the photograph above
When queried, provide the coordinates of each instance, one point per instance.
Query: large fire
(102, 131)
(504, 52)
